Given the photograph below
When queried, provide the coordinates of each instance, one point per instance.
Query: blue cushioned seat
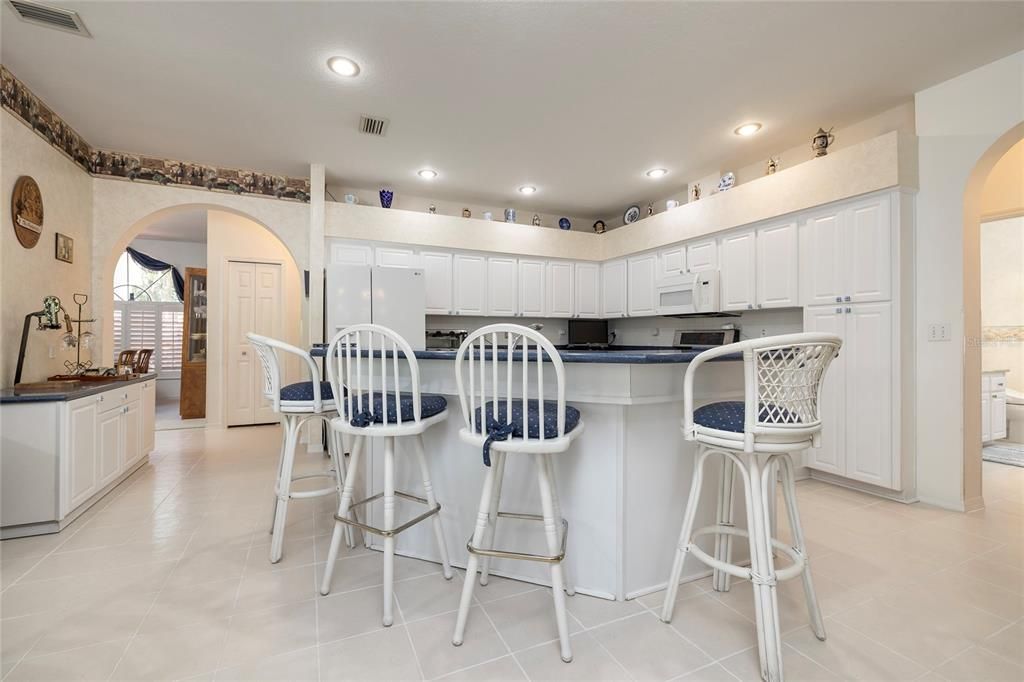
(430, 405)
(303, 391)
(728, 415)
(498, 429)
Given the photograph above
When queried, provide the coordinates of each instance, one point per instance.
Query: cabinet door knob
(758, 305)
(846, 298)
(839, 311)
(750, 306)
(849, 310)
(839, 299)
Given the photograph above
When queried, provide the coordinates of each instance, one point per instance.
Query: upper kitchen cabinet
(349, 253)
(677, 262)
(396, 257)
(777, 269)
(470, 284)
(701, 255)
(560, 289)
(738, 258)
(437, 273)
(588, 288)
(672, 264)
(613, 288)
(846, 253)
(502, 286)
(640, 285)
(532, 285)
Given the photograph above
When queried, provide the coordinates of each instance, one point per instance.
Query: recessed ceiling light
(657, 173)
(427, 173)
(748, 129)
(343, 66)
(527, 189)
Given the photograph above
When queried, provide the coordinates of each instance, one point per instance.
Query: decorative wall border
(1002, 334)
(23, 104)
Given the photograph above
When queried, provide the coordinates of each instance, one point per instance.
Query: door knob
(245, 352)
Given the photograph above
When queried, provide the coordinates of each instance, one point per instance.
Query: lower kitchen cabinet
(993, 406)
(59, 456)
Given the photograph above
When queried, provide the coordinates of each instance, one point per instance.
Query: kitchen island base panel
(623, 482)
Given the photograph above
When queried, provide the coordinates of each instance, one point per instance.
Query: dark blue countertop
(625, 355)
(7, 395)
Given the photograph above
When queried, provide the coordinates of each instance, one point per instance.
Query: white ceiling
(186, 225)
(577, 98)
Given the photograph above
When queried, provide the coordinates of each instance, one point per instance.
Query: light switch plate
(939, 331)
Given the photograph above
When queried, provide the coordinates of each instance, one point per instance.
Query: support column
(317, 222)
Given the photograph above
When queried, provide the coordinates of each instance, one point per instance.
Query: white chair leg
(492, 516)
(721, 580)
(337, 455)
(762, 570)
(552, 526)
(471, 564)
(570, 585)
(683, 546)
(284, 482)
(789, 493)
(280, 463)
(343, 511)
(389, 523)
(428, 488)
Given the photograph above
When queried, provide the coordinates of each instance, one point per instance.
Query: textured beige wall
(30, 274)
(1002, 298)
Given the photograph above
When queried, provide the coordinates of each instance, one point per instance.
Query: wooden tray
(93, 378)
(59, 386)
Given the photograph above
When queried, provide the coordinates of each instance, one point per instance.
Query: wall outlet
(939, 331)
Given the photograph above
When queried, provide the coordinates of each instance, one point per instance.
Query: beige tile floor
(168, 578)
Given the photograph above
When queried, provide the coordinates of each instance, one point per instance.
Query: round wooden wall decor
(27, 211)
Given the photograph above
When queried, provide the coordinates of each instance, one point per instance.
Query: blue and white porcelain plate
(632, 215)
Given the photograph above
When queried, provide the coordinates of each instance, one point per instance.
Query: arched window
(148, 314)
(132, 282)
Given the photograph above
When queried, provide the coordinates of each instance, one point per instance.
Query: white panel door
(502, 286)
(998, 407)
(986, 417)
(588, 288)
(132, 434)
(640, 286)
(349, 253)
(437, 272)
(268, 321)
(738, 281)
(701, 256)
(613, 289)
(777, 266)
(830, 456)
(110, 448)
(867, 349)
(821, 266)
(867, 251)
(470, 284)
(241, 370)
(83, 441)
(532, 285)
(559, 290)
(672, 264)
(394, 257)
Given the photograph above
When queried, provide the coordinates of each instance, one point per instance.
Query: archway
(251, 239)
(973, 212)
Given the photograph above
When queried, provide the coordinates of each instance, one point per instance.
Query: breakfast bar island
(623, 483)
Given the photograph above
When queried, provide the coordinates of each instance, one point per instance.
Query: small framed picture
(65, 248)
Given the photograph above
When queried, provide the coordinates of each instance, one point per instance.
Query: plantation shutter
(171, 322)
(118, 329)
(142, 326)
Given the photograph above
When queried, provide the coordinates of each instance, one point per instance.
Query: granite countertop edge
(7, 395)
(614, 356)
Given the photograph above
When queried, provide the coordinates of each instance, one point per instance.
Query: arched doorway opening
(974, 211)
(234, 240)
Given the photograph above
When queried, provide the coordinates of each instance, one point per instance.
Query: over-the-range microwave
(695, 296)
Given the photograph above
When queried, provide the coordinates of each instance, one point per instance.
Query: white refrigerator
(391, 297)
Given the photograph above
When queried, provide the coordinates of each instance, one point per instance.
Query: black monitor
(588, 332)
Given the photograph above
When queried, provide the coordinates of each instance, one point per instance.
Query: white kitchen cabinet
(738, 263)
(437, 273)
(148, 406)
(470, 284)
(857, 401)
(131, 435)
(502, 287)
(532, 286)
(846, 253)
(613, 289)
(993, 406)
(82, 441)
(986, 417)
(640, 285)
(395, 257)
(588, 289)
(777, 268)
(110, 446)
(349, 253)
(560, 281)
(701, 255)
(672, 264)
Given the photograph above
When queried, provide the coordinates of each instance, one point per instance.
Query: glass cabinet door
(196, 318)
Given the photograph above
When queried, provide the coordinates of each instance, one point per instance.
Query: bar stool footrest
(523, 556)
(742, 572)
(304, 494)
(395, 531)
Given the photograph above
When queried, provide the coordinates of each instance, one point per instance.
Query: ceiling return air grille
(49, 16)
(373, 125)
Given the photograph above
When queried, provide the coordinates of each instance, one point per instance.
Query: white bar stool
(357, 361)
(515, 423)
(296, 404)
(779, 415)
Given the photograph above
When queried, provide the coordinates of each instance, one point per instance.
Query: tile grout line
(408, 636)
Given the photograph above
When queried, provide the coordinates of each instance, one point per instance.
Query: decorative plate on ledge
(631, 215)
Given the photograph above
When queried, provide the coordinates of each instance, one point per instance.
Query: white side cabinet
(560, 287)
(61, 456)
(613, 289)
(470, 284)
(437, 273)
(738, 258)
(532, 286)
(342, 252)
(502, 286)
(588, 289)
(777, 269)
(993, 406)
(640, 285)
(396, 257)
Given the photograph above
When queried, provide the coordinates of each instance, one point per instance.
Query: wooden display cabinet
(192, 403)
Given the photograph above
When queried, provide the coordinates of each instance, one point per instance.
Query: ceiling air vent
(372, 125)
(51, 17)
